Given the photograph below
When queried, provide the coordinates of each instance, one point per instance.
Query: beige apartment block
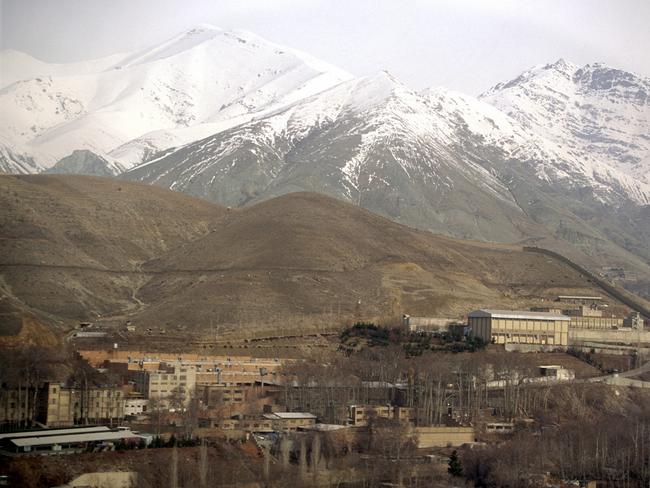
(166, 383)
(520, 327)
(64, 406)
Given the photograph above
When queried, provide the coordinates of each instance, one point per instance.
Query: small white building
(557, 373)
(135, 406)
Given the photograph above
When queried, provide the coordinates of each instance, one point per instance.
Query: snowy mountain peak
(597, 118)
(197, 83)
(373, 89)
(562, 66)
(204, 26)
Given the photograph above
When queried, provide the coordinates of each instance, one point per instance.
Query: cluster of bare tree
(22, 371)
(582, 432)
(179, 407)
(432, 384)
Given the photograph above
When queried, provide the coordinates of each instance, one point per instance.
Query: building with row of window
(361, 415)
(61, 405)
(520, 327)
(58, 404)
(172, 384)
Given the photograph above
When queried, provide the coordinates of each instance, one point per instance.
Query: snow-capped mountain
(597, 117)
(438, 160)
(196, 84)
(369, 140)
(14, 162)
(417, 134)
(560, 152)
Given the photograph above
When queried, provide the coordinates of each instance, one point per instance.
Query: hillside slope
(84, 248)
(70, 246)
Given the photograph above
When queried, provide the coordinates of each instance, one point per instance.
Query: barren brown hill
(305, 259)
(83, 248)
(70, 246)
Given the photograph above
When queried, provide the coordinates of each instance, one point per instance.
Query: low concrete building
(169, 381)
(557, 373)
(290, 421)
(580, 300)
(360, 415)
(500, 427)
(444, 436)
(590, 317)
(426, 324)
(520, 327)
(17, 406)
(215, 395)
(246, 424)
(68, 440)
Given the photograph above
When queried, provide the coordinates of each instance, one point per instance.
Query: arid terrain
(78, 248)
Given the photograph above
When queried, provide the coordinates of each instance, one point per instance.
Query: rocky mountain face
(370, 141)
(597, 115)
(12, 162)
(84, 162)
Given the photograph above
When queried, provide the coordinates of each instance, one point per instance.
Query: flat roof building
(290, 421)
(67, 440)
(579, 299)
(520, 327)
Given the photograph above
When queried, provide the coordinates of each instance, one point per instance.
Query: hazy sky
(467, 45)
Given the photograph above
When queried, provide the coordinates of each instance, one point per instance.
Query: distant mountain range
(559, 156)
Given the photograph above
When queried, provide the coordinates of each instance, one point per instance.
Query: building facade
(61, 405)
(360, 415)
(520, 327)
(290, 421)
(171, 384)
(135, 406)
(17, 406)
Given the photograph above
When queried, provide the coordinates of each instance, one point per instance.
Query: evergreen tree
(455, 467)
